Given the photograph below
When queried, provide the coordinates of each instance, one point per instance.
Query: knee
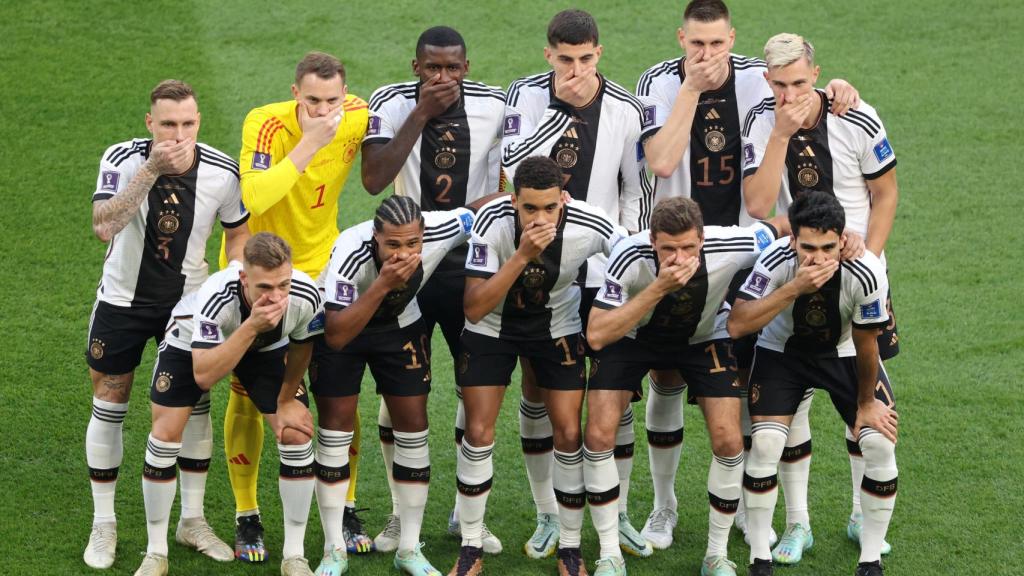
(768, 440)
(116, 388)
(726, 441)
(165, 431)
(598, 440)
(293, 437)
(878, 450)
(478, 434)
(568, 439)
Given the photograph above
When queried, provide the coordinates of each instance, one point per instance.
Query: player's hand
(437, 96)
(266, 313)
(810, 277)
(535, 239)
(843, 95)
(791, 114)
(573, 89)
(853, 246)
(292, 414)
(170, 157)
(878, 416)
(396, 272)
(706, 72)
(319, 131)
(674, 273)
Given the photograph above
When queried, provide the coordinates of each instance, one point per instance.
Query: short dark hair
(817, 210)
(706, 11)
(323, 65)
(676, 216)
(440, 36)
(538, 173)
(397, 211)
(171, 90)
(572, 27)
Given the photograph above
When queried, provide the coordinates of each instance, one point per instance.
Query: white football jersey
(693, 313)
(819, 324)
(457, 158)
(597, 147)
(209, 316)
(354, 267)
(544, 301)
(160, 254)
(838, 155)
(711, 169)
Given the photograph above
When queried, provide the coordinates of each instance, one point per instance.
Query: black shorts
(118, 335)
(440, 302)
(174, 384)
(743, 350)
(889, 338)
(399, 362)
(778, 382)
(708, 368)
(587, 296)
(487, 361)
(262, 375)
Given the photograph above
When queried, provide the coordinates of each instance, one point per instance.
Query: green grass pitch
(74, 78)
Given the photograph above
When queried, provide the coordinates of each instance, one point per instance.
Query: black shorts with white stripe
(118, 335)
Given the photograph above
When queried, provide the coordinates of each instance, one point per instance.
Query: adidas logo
(172, 199)
(712, 115)
(241, 460)
(447, 136)
(807, 152)
(571, 133)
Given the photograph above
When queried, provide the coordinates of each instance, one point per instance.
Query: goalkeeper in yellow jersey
(295, 158)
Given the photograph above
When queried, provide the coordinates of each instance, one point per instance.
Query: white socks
(795, 465)
(194, 458)
(724, 489)
(624, 444)
(387, 450)
(295, 483)
(474, 474)
(602, 493)
(411, 473)
(664, 442)
(158, 487)
(878, 491)
(537, 441)
(760, 484)
(570, 493)
(332, 473)
(103, 452)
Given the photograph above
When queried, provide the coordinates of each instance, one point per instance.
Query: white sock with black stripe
(725, 478)
(878, 491)
(570, 492)
(158, 488)
(664, 442)
(194, 459)
(103, 453)
(296, 485)
(760, 484)
(474, 473)
(625, 442)
(603, 492)
(387, 450)
(332, 472)
(795, 465)
(411, 471)
(535, 435)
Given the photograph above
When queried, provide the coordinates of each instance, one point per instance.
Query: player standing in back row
(295, 158)
(590, 126)
(155, 202)
(438, 139)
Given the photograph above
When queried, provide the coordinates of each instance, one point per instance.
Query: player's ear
(467, 68)
(149, 122)
(415, 67)
(817, 71)
(598, 51)
(295, 92)
(681, 36)
(732, 38)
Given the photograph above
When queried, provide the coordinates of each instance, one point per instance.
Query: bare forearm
(344, 325)
(211, 364)
(884, 197)
(761, 189)
(234, 241)
(382, 162)
(482, 297)
(665, 149)
(111, 216)
(749, 316)
(609, 326)
(296, 363)
(866, 343)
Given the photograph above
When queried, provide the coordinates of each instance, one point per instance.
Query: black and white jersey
(457, 158)
(711, 169)
(694, 313)
(354, 266)
(208, 317)
(819, 324)
(838, 155)
(597, 147)
(544, 301)
(160, 254)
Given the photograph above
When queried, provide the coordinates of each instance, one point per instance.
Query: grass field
(943, 76)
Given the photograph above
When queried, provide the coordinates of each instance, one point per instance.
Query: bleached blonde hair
(783, 49)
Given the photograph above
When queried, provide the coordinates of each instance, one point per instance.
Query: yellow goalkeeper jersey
(302, 207)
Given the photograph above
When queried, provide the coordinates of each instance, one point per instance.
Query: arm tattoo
(111, 216)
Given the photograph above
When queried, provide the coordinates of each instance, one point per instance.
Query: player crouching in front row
(257, 320)
(372, 317)
(819, 321)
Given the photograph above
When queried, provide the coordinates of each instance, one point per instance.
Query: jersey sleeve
(309, 303)
(210, 318)
(340, 286)
(267, 174)
(756, 131)
(381, 126)
(494, 161)
(531, 128)
(482, 258)
(113, 178)
(445, 230)
(619, 276)
(876, 155)
(870, 292)
(655, 111)
(232, 211)
(767, 274)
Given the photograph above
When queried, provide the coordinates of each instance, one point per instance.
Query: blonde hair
(783, 49)
(266, 250)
